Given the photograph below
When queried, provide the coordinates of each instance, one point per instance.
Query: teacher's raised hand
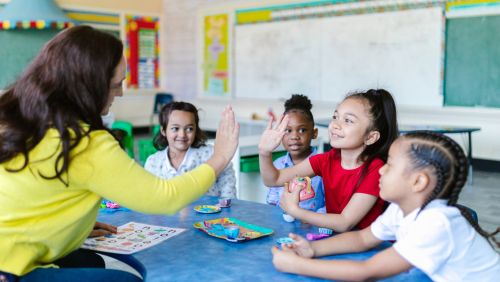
(226, 141)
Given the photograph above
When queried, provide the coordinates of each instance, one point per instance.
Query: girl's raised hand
(289, 200)
(226, 141)
(271, 137)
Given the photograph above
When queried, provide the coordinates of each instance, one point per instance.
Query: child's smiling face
(180, 131)
(299, 132)
(349, 126)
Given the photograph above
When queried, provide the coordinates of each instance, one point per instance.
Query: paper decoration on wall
(33, 14)
(142, 51)
(215, 49)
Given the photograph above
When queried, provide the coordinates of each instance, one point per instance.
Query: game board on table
(131, 237)
(215, 227)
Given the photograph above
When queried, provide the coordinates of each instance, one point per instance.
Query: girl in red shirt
(363, 127)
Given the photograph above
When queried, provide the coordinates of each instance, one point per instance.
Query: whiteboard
(275, 60)
(326, 58)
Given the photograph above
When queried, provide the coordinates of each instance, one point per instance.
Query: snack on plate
(307, 192)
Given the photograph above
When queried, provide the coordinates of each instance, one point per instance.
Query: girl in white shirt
(422, 179)
(181, 148)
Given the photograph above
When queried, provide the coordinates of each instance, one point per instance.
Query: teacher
(57, 160)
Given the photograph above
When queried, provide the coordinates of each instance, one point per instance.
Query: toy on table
(288, 218)
(323, 230)
(111, 207)
(232, 232)
(224, 202)
(220, 228)
(316, 236)
(306, 192)
(207, 209)
(285, 240)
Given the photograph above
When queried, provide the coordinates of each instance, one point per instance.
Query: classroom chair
(472, 212)
(128, 140)
(156, 129)
(161, 99)
(145, 149)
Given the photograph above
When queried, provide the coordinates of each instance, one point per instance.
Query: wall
(181, 66)
(181, 41)
(136, 104)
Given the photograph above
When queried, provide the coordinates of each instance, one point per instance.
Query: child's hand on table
(285, 258)
(102, 229)
(301, 246)
(271, 137)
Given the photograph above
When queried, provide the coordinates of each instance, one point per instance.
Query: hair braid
(439, 184)
(451, 168)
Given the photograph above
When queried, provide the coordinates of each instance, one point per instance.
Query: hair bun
(298, 101)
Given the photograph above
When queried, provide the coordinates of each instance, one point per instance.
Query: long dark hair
(66, 86)
(161, 142)
(449, 163)
(383, 116)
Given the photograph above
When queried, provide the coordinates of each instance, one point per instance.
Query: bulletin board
(142, 51)
(472, 77)
(17, 50)
(216, 55)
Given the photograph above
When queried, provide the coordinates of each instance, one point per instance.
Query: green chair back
(156, 129)
(128, 140)
(145, 149)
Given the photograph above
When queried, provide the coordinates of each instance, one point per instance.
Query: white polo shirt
(440, 242)
(159, 165)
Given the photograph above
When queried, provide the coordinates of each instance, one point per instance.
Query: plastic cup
(232, 231)
(224, 202)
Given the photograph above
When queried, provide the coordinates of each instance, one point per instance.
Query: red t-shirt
(339, 184)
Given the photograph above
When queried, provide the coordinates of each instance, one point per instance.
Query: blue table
(194, 255)
(403, 129)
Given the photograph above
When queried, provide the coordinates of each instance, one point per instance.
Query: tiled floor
(484, 197)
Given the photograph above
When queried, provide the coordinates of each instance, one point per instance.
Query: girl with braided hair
(422, 179)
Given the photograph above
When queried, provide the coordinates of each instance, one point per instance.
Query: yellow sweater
(42, 220)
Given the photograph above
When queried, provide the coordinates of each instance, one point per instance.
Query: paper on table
(131, 237)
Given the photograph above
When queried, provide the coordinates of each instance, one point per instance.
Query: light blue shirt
(315, 204)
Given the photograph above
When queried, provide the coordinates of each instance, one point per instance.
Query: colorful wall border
(327, 9)
(216, 55)
(460, 5)
(90, 17)
(142, 51)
